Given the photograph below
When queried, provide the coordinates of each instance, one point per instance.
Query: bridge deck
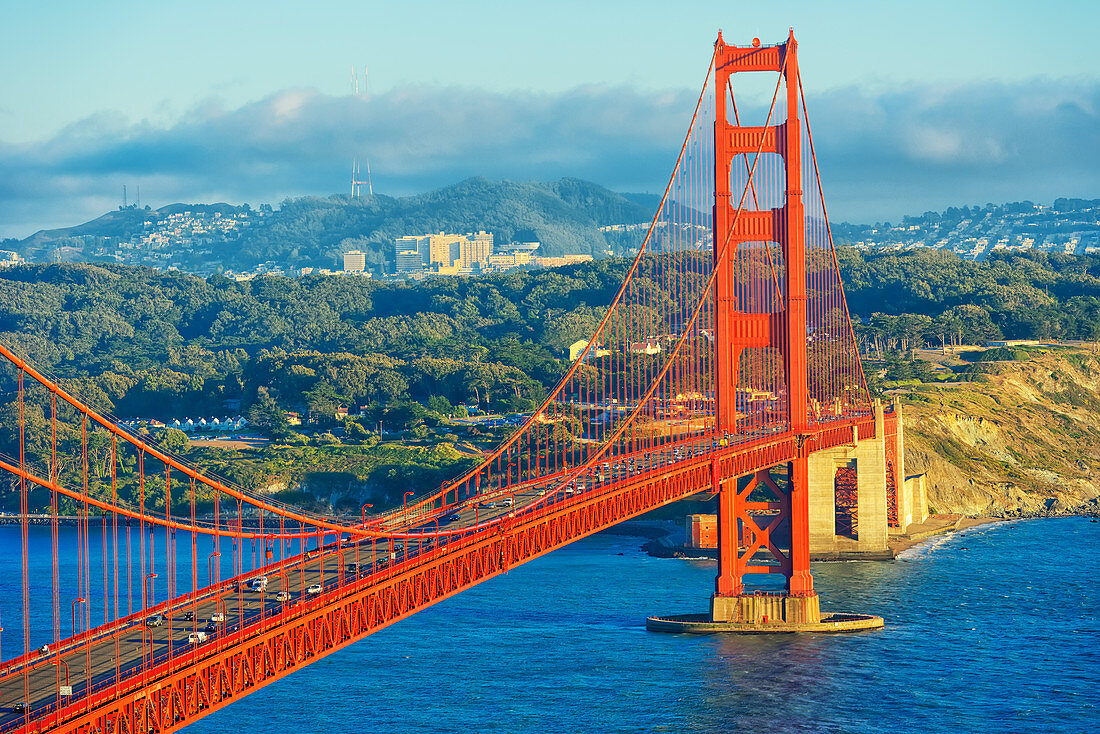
(131, 677)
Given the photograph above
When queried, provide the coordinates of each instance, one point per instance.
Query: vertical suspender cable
(23, 518)
(55, 476)
(114, 518)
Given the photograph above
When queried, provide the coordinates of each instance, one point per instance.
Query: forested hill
(563, 215)
(151, 343)
(145, 342)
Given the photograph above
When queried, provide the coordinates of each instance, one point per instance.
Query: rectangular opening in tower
(891, 496)
(846, 488)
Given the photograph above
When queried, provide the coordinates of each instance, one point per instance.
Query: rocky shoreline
(1054, 508)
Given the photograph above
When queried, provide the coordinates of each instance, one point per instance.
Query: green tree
(175, 441)
(267, 417)
(354, 430)
(440, 405)
(323, 400)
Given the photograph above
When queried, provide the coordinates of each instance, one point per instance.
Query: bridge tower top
(781, 325)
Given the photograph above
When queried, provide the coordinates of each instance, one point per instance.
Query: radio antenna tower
(356, 182)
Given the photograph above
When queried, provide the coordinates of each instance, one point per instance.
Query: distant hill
(1068, 226)
(119, 223)
(563, 215)
(312, 231)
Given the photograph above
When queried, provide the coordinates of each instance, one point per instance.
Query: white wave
(923, 548)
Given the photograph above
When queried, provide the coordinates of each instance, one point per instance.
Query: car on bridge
(155, 621)
(217, 617)
(488, 505)
(282, 596)
(188, 616)
(210, 628)
(314, 590)
(258, 584)
(453, 517)
(19, 707)
(197, 638)
(508, 502)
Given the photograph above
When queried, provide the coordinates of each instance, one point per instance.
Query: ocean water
(995, 628)
(990, 629)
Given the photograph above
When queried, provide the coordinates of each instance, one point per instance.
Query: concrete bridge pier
(858, 496)
(848, 495)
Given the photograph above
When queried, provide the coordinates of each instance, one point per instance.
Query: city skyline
(917, 108)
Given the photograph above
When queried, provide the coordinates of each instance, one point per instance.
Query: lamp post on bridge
(219, 608)
(59, 662)
(434, 541)
(152, 589)
(75, 602)
(405, 514)
(373, 557)
(145, 632)
(210, 565)
(284, 589)
(364, 527)
(67, 689)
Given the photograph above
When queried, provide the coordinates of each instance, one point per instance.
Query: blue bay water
(990, 629)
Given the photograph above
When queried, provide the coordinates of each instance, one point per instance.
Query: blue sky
(916, 105)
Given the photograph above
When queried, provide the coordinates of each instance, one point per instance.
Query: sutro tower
(356, 182)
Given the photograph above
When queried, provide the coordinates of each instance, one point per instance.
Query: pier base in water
(764, 613)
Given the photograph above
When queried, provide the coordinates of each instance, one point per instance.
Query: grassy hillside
(1019, 437)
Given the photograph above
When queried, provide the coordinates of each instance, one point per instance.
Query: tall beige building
(444, 248)
(355, 261)
(475, 250)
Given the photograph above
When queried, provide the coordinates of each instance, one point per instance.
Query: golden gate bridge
(750, 368)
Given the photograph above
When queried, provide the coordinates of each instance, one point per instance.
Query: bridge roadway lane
(93, 664)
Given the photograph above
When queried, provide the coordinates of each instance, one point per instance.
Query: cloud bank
(881, 154)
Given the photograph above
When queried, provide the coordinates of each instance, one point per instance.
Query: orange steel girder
(175, 694)
(736, 331)
(755, 536)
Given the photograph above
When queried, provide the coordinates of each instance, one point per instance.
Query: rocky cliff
(1019, 438)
